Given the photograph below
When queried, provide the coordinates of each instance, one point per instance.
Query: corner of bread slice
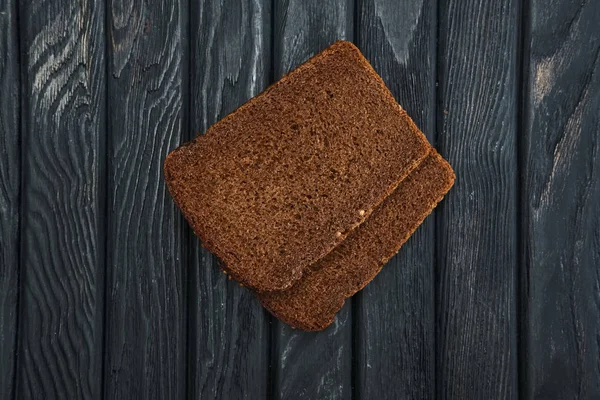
(295, 320)
(448, 174)
(344, 44)
(259, 282)
(168, 165)
(175, 158)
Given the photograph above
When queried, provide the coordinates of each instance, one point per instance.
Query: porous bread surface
(312, 302)
(277, 184)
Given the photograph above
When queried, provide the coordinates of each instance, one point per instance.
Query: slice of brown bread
(277, 184)
(312, 302)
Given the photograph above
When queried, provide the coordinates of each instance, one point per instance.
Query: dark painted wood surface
(477, 230)
(106, 293)
(145, 343)
(561, 201)
(10, 174)
(63, 167)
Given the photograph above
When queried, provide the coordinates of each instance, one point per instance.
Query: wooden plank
(561, 202)
(395, 322)
(146, 312)
(229, 330)
(477, 249)
(64, 89)
(311, 365)
(10, 178)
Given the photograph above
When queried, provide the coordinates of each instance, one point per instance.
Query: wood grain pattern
(63, 162)
(84, 211)
(146, 324)
(561, 202)
(311, 365)
(477, 254)
(395, 312)
(10, 177)
(229, 331)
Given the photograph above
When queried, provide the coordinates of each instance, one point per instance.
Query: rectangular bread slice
(312, 302)
(277, 184)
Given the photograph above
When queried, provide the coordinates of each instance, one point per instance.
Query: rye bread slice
(277, 184)
(312, 302)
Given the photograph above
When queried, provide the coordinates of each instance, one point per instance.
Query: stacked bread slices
(308, 189)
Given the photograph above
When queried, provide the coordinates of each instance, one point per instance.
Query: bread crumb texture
(312, 302)
(275, 186)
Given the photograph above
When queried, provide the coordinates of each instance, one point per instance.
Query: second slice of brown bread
(277, 184)
(312, 302)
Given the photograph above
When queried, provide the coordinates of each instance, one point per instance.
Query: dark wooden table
(105, 293)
